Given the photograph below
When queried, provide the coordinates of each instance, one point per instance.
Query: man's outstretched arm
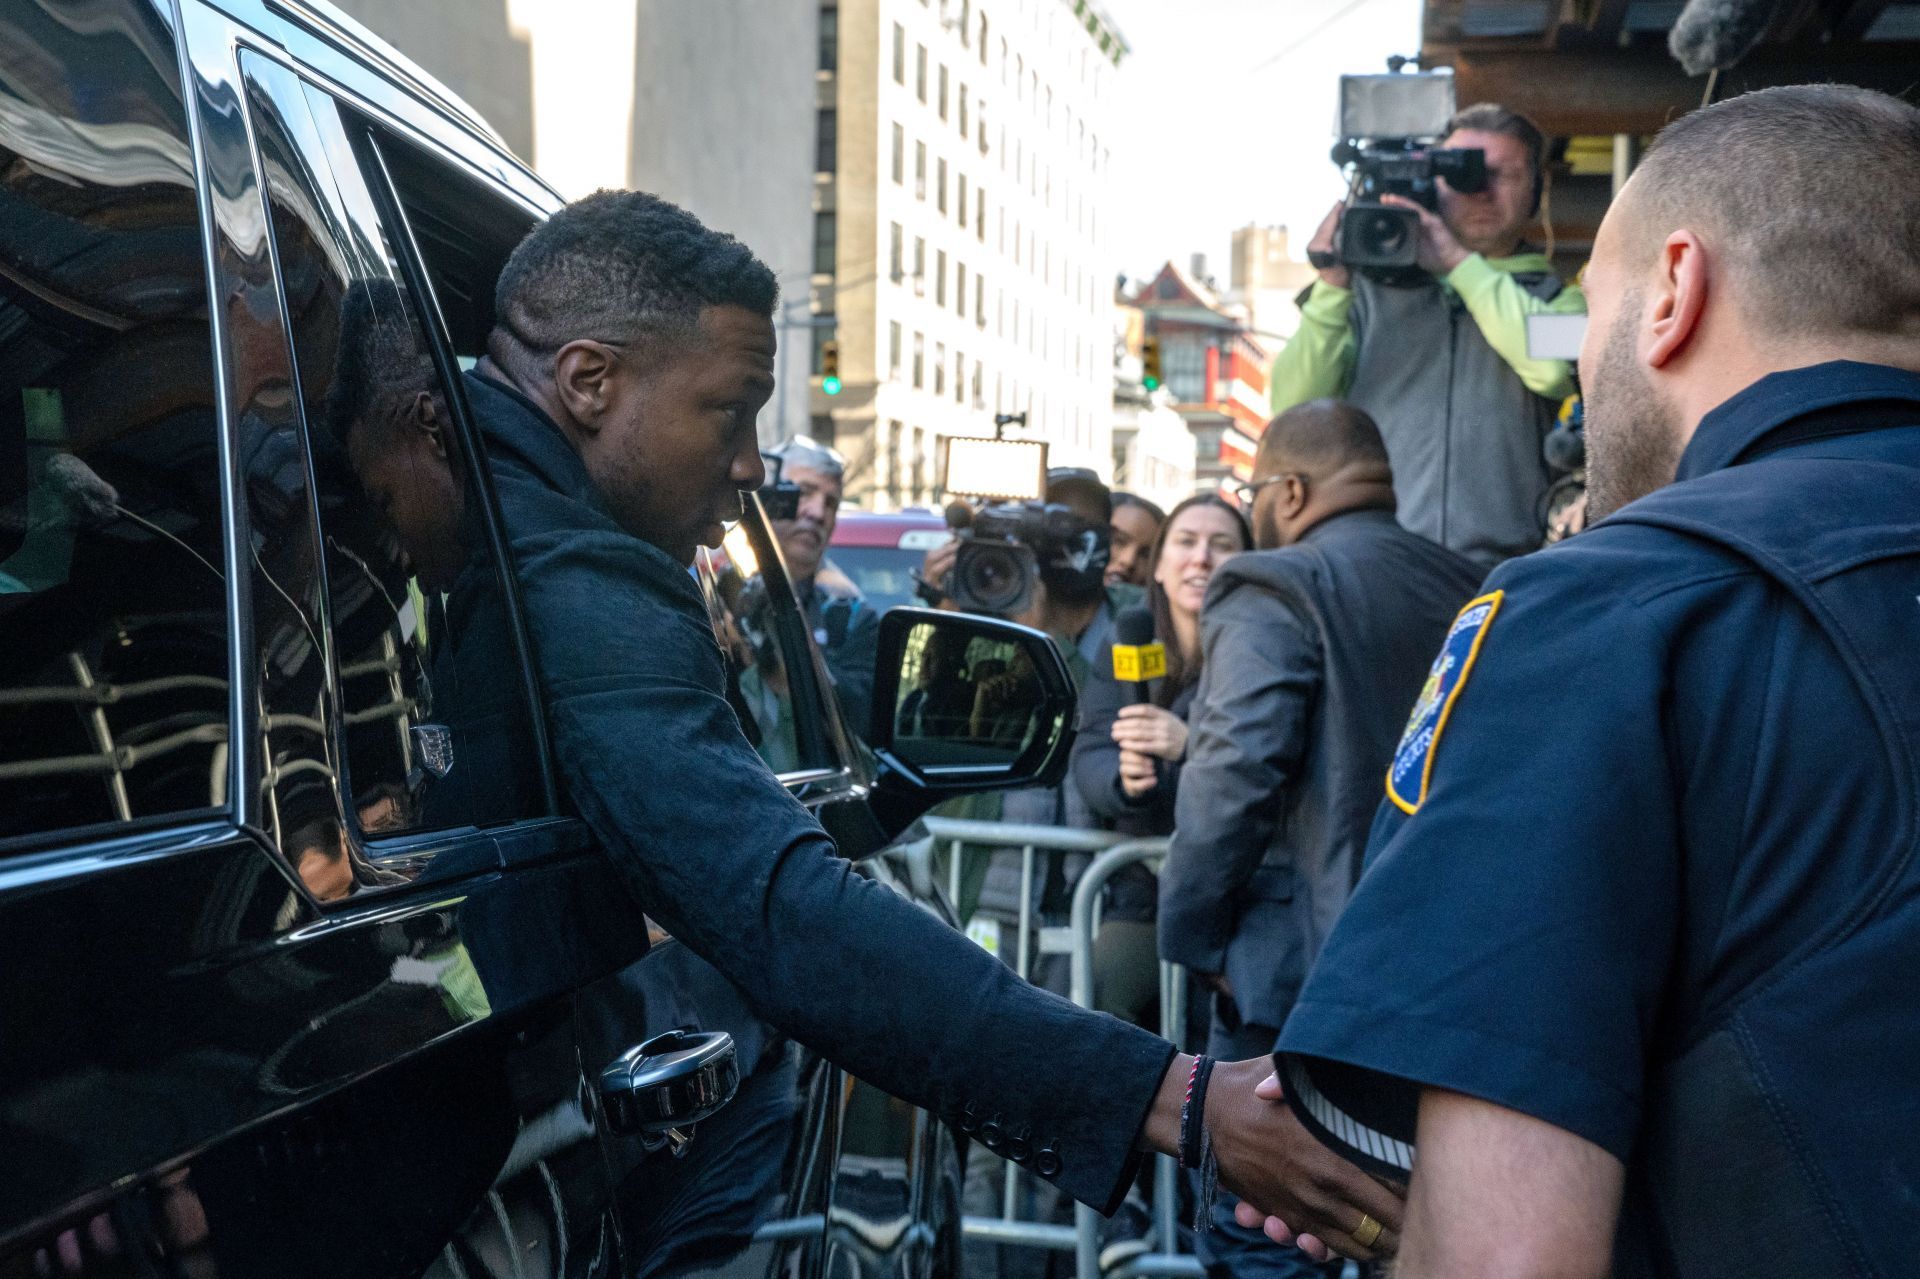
(1498, 1193)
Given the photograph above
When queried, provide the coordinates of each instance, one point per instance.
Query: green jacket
(1318, 360)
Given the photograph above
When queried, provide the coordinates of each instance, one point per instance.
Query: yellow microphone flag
(1137, 663)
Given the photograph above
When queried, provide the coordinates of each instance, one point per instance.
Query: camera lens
(992, 577)
(1384, 235)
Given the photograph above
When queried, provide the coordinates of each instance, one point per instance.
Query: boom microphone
(959, 515)
(1712, 35)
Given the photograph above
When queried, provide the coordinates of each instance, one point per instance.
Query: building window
(963, 201)
(980, 214)
(822, 331)
(983, 128)
(829, 38)
(960, 289)
(920, 170)
(980, 301)
(899, 54)
(893, 348)
(943, 90)
(899, 155)
(966, 24)
(963, 112)
(919, 359)
(959, 378)
(893, 461)
(896, 247)
(823, 242)
(940, 186)
(983, 39)
(825, 140)
(920, 261)
(940, 278)
(976, 382)
(920, 72)
(939, 368)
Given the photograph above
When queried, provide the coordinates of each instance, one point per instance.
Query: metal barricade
(1114, 853)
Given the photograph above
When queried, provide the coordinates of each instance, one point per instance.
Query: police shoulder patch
(1412, 766)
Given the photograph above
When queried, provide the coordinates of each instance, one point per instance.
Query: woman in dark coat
(1126, 758)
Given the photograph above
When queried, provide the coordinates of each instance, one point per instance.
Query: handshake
(1302, 1192)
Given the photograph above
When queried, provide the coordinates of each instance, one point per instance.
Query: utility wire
(1295, 47)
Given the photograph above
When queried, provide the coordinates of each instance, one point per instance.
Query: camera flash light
(1011, 470)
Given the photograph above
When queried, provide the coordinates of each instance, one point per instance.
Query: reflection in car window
(431, 721)
(744, 618)
(113, 617)
(965, 699)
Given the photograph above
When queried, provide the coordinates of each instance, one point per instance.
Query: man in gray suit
(1315, 646)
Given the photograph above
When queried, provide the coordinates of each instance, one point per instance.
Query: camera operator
(844, 625)
(1449, 344)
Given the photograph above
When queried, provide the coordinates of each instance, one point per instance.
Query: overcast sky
(1224, 116)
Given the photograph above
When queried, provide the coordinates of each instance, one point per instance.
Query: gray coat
(1314, 654)
(1462, 430)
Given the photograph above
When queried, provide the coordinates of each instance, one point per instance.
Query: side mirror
(964, 703)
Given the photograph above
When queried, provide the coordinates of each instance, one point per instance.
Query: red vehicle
(880, 553)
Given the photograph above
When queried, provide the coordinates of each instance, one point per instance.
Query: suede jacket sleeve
(712, 845)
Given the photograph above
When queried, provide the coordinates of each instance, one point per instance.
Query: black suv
(308, 967)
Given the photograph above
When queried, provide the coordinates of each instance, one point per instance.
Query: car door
(268, 1004)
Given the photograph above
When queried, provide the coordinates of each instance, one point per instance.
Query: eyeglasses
(1247, 491)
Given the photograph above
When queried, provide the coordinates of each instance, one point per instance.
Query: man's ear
(1679, 297)
(583, 379)
(424, 412)
(1295, 490)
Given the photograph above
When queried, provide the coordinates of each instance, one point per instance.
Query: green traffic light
(1152, 383)
(831, 385)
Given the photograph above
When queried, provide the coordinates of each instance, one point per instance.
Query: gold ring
(1367, 1232)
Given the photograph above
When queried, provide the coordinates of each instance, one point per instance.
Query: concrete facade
(971, 270)
(709, 105)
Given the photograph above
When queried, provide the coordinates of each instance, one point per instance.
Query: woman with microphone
(1133, 735)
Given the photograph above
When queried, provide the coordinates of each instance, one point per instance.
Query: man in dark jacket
(1315, 647)
(633, 349)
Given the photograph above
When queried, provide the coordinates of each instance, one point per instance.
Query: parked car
(309, 968)
(881, 553)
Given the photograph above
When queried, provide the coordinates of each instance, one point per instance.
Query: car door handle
(662, 1088)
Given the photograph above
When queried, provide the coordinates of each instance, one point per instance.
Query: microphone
(1137, 656)
(81, 488)
(1712, 35)
(959, 515)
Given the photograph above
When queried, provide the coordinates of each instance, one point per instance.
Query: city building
(1153, 451)
(634, 93)
(1215, 369)
(961, 259)
(1265, 278)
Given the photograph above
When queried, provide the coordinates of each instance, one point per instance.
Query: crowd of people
(1624, 960)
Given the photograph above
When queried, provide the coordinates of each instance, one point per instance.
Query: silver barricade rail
(1114, 853)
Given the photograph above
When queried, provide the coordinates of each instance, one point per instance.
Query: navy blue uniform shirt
(1647, 871)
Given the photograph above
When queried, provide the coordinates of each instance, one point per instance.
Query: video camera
(780, 497)
(1009, 546)
(1387, 126)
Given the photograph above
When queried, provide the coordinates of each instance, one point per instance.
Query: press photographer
(1419, 314)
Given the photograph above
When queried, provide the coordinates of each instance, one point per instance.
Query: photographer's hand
(1338, 277)
(1439, 250)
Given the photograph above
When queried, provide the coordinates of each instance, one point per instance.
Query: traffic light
(1150, 363)
(830, 367)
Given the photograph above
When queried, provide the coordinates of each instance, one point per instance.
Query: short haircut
(1491, 117)
(1319, 438)
(382, 358)
(804, 450)
(621, 266)
(1807, 193)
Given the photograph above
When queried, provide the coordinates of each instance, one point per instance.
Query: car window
(773, 681)
(431, 723)
(113, 601)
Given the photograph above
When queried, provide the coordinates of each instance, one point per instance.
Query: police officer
(844, 625)
(1633, 958)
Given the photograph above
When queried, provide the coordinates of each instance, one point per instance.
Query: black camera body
(779, 497)
(1382, 241)
(1010, 546)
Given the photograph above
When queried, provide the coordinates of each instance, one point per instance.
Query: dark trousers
(1230, 1250)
